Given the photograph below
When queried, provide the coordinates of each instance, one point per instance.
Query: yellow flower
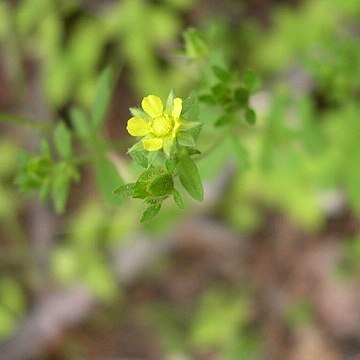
(160, 127)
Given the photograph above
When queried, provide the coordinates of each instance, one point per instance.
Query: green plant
(173, 142)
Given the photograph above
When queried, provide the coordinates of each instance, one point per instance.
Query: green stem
(17, 120)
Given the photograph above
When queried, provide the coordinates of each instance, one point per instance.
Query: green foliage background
(293, 144)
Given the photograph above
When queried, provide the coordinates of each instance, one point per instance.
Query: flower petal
(153, 106)
(177, 108)
(153, 144)
(137, 127)
(175, 128)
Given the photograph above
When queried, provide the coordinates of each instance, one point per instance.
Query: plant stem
(17, 120)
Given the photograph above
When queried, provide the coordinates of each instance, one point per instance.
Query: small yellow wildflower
(160, 129)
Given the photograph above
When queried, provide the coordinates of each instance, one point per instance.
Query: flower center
(162, 125)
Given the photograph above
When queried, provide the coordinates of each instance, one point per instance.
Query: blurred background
(267, 267)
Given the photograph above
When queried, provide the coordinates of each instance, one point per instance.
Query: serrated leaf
(250, 116)
(80, 123)
(179, 201)
(162, 185)
(62, 140)
(170, 165)
(152, 156)
(193, 128)
(124, 190)
(140, 157)
(190, 177)
(185, 139)
(102, 99)
(150, 174)
(140, 191)
(107, 178)
(190, 107)
(150, 212)
(136, 147)
(167, 146)
(195, 131)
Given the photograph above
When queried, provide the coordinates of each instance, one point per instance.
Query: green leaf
(207, 98)
(107, 179)
(190, 177)
(195, 46)
(222, 74)
(33, 171)
(150, 212)
(193, 128)
(152, 157)
(230, 107)
(170, 165)
(124, 190)
(153, 183)
(221, 93)
(178, 199)
(102, 99)
(140, 157)
(139, 113)
(136, 147)
(185, 139)
(45, 189)
(81, 123)
(162, 185)
(150, 174)
(168, 145)
(190, 108)
(251, 80)
(193, 151)
(140, 190)
(62, 140)
(250, 116)
(241, 96)
(223, 120)
(170, 102)
(60, 188)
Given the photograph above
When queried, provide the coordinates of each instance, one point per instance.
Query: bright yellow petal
(175, 128)
(153, 106)
(137, 127)
(177, 108)
(153, 144)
